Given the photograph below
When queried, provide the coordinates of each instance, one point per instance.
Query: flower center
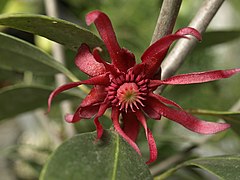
(128, 91)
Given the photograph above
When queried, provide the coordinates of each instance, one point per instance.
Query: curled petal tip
(92, 16)
(69, 118)
(190, 31)
(218, 128)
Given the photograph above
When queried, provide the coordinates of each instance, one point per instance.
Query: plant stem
(58, 54)
(175, 59)
(166, 19)
(183, 47)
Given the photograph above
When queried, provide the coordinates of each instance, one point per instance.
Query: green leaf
(18, 55)
(217, 37)
(61, 31)
(3, 4)
(223, 167)
(232, 118)
(17, 99)
(82, 157)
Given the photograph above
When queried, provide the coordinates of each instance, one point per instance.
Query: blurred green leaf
(232, 118)
(223, 167)
(81, 157)
(217, 37)
(61, 31)
(17, 99)
(18, 55)
(3, 4)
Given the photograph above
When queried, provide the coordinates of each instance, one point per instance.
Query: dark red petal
(130, 125)
(87, 63)
(115, 119)
(82, 113)
(165, 100)
(149, 109)
(105, 29)
(196, 77)
(190, 31)
(150, 139)
(97, 80)
(96, 95)
(103, 107)
(109, 67)
(155, 54)
(99, 128)
(187, 120)
(128, 59)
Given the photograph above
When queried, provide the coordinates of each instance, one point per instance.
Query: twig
(183, 47)
(58, 54)
(166, 19)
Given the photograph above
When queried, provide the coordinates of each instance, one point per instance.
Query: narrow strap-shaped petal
(190, 31)
(87, 63)
(109, 67)
(96, 95)
(82, 113)
(88, 112)
(165, 100)
(115, 119)
(155, 54)
(187, 120)
(97, 80)
(120, 57)
(99, 128)
(103, 107)
(196, 77)
(130, 125)
(150, 139)
(152, 110)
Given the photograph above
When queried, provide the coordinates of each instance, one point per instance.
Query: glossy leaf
(232, 118)
(21, 98)
(217, 37)
(81, 157)
(223, 167)
(18, 55)
(61, 31)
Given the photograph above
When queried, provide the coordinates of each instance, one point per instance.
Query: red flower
(127, 87)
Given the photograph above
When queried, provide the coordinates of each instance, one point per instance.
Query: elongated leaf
(63, 32)
(82, 157)
(217, 37)
(18, 55)
(232, 118)
(223, 167)
(21, 98)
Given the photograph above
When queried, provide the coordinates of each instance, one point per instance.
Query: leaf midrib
(116, 157)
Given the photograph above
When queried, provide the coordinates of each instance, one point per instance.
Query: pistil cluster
(128, 92)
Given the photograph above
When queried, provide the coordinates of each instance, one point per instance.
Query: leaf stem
(116, 154)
